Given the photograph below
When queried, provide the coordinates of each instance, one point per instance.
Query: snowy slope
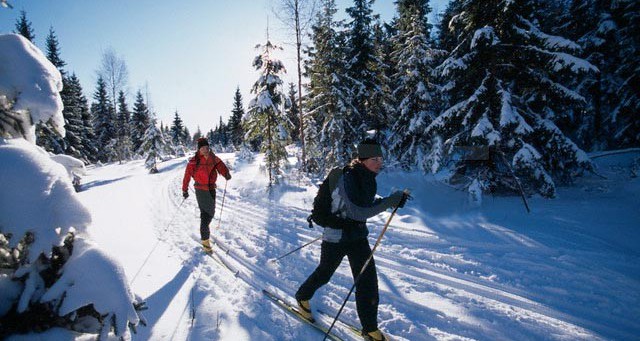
(570, 270)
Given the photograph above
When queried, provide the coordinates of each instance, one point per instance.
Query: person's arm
(222, 168)
(355, 207)
(188, 173)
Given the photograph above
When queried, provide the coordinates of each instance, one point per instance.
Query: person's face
(204, 150)
(373, 164)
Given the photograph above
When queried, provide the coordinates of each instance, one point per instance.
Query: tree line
(504, 97)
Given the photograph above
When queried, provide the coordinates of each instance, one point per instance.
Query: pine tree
(414, 89)
(329, 98)
(103, 124)
(153, 145)
(179, 135)
(360, 62)
(265, 118)
(89, 145)
(23, 27)
(140, 122)
(235, 121)
(47, 136)
(626, 114)
(53, 51)
(293, 113)
(123, 131)
(75, 105)
(380, 109)
(504, 94)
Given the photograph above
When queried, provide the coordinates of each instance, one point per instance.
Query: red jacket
(204, 172)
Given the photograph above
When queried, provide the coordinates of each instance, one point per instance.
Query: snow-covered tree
(123, 130)
(360, 57)
(179, 136)
(504, 92)
(45, 251)
(235, 121)
(414, 89)
(24, 28)
(140, 122)
(103, 122)
(293, 113)
(75, 106)
(153, 145)
(329, 99)
(381, 108)
(265, 117)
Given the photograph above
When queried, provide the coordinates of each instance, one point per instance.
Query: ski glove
(185, 194)
(405, 196)
(395, 199)
(228, 177)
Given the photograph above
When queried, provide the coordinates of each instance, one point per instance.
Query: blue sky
(190, 55)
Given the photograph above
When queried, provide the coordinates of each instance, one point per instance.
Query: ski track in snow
(432, 286)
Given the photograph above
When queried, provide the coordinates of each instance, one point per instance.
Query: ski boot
(304, 308)
(375, 335)
(206, 246)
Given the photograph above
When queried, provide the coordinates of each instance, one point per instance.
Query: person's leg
(367, 286)
(205, 220)
(331, 255)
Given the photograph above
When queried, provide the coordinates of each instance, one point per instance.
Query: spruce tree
(359, 54)
(47, 136)
(153, 145)
(140, 122)
(265, 118)
(104, 123)
(381, 108)
(23, 27)
(75, 105)
(414, 89)
(504, 91)
(329, 98)
(235, 121)
(123, 121)
(293, 113)
(626, 115)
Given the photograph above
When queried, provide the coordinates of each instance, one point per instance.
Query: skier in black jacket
(345, 234)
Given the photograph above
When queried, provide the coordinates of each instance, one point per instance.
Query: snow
(485, 34)
(29, 79)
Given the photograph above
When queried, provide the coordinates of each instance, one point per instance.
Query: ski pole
(294, 250)
(224, 194)
(355, 281)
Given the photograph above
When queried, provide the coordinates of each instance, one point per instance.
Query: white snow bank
(37, 197)
(91, 276)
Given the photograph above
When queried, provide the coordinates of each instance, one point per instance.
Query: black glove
(395, 198)
(405, 196)
(228, 177)
(185, 194)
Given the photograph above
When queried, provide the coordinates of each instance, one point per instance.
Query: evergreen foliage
(329, 99)
(414, 91)
(23, 27)
(504, 93)
(360, 57)
(265, 118)
(104, 123)
(293, 113)
(153, 145)
(140, 123)
(123, 131)
(235, 121)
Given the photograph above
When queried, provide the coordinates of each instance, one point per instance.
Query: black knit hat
(369, 148)
(202, 142)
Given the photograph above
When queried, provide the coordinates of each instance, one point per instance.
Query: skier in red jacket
(204, 168)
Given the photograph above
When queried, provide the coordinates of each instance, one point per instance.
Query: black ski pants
(207, 204)
(367, 287)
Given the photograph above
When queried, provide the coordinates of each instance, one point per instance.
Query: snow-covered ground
(569, 270)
